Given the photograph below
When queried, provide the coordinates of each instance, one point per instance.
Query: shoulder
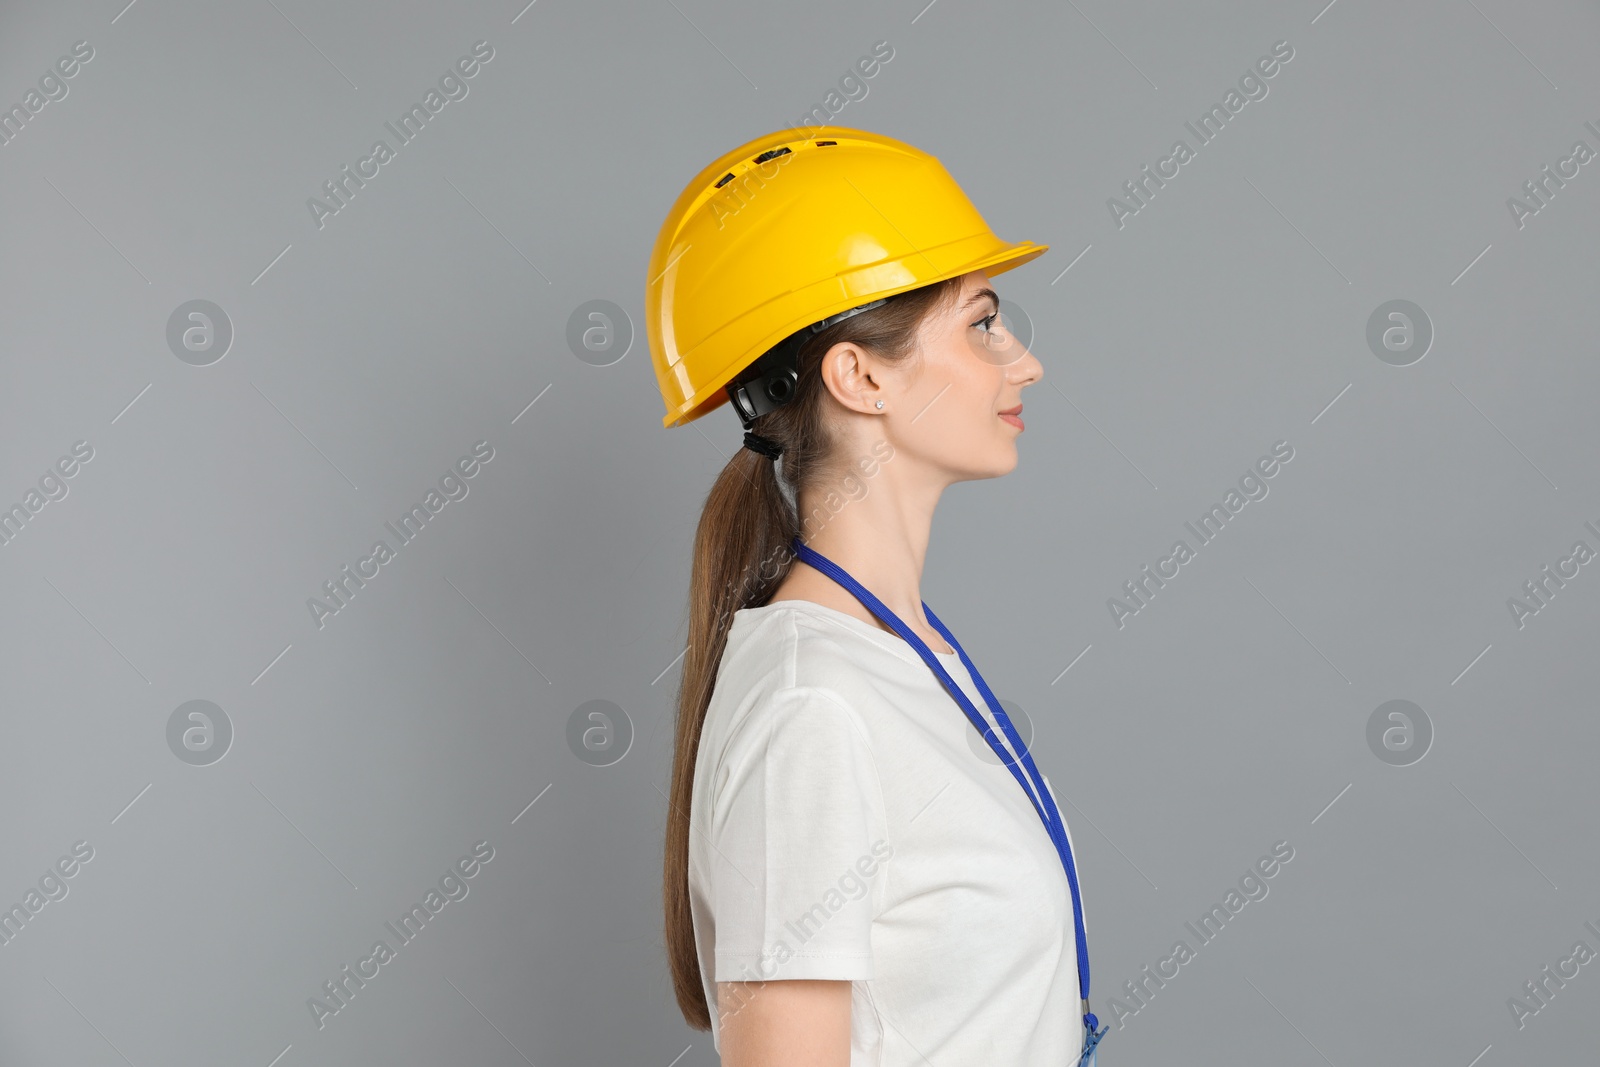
(802, 751)
(791, 644)
(784, 677)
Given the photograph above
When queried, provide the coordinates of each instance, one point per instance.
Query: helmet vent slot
(724, 180)
(775, 153)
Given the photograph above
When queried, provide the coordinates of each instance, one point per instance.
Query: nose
(1021, 366)
(1026, 368)
(1002, 348)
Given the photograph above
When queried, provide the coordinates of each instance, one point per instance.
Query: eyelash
(987, 321)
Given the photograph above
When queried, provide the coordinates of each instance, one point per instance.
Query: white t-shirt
(843, 827)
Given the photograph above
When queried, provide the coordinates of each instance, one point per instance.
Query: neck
(877, 530)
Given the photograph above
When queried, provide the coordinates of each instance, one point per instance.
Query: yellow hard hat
(791, 229)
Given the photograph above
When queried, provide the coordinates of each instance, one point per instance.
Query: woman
(846, 881)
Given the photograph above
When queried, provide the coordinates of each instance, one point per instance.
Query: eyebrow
(980, 295)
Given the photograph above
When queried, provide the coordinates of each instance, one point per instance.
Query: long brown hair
(741, 555)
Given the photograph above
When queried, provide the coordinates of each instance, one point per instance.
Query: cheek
(966, 422)
(958, 394)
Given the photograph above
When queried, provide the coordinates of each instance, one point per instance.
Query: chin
(1003, 462)
(972, 462)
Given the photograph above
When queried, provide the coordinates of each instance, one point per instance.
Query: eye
(986, 322)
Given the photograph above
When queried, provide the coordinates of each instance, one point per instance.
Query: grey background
(369, 355)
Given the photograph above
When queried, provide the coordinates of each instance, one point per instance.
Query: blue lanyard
(1038, 793)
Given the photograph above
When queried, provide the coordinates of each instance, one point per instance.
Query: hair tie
(766, 446)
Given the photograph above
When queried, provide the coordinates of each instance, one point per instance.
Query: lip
(1012, 415)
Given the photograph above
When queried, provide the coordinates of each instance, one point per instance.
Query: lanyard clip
(1091, 1039)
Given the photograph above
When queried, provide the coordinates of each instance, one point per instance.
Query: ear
(851, 374)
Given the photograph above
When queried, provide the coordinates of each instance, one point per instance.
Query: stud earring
(880, 404)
